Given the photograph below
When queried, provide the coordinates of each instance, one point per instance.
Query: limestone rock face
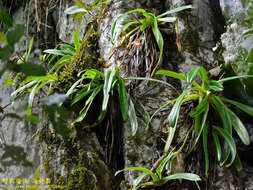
(88, 154)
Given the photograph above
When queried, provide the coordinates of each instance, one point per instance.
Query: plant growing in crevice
(91, 83)
(207, 96)
(152, 21)
(33, 82)
(157, 172)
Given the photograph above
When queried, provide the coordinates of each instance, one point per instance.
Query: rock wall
(88, 156)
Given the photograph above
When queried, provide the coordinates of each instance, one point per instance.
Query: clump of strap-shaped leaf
(34, 83)
(206, 95)
(80, 9)
(157, 176)
(105, 83)
(150, 20)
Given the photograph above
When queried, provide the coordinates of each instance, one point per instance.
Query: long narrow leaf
(82, 94)
(243, 107)
(231, 143)
(123, 99)
(239, 128)
(223, 113)
(171, 74)
(132, 117)
(217, 144)
(177, 76)
(113, 33)
(205, 137)
(161, 166)
(176, 10)
(187, 176)
(154, 177)
(107, 89)
(31, 95)
(159, 40)
(237, 163)
(233, 78)
(88, 104)
(167, 19)
(153, 80)
(192, 74)
(214, 85)
(203, 124)
(138, 180)
(201, 107)
(173, 116)
(13, 94)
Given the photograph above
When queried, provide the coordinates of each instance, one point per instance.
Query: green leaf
(123, 98)
(205, 137)
(3, 38)
(77, 16)
(214, 85)
(68, 46)
(197, 123)
(217, 144)
(20, 89)
(223, 113)
(29, 50)
(177, 76)
(77, 41)
(173, 116)
(72, 88)
(178, 9)
(250, 56)
(6, 18)
(161, 166)
(159, 40)
(237, 163)
(127, 25)
(187, 176)
(201, 107)
(56, 52)
(74, 9)
(82, 94)
(192, 74)
(31, 95)
(171, 74)
(225, 153)
(243, 107)
(138, 180)
(114, 35)
(203, 75)
(106, 89)
(233, 78)
(229, 139)
(154, 177)
(143, 113)
(167, 19)
(152, 80)
(87, 105)
(239, 128)
(15, 35)
(201, 127)
(132, 117)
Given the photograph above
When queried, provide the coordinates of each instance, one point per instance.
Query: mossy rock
(87, 57)
(82, 179)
